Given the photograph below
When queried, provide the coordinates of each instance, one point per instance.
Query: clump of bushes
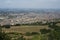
(4, 36)
(17, 25)
(21, 38)
(54, 34)
(28, 34)
(6, 26)
(44, 31)
(34, 33)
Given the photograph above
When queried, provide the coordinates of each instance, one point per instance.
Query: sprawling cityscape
(23, 16)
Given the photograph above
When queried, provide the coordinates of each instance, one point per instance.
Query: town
(20, 16)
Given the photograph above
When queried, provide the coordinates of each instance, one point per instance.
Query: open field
(26, 28)
(23, 29)
(16, 32)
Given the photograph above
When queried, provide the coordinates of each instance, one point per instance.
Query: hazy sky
(29, 3)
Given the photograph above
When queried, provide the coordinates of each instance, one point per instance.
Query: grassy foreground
(34, 32)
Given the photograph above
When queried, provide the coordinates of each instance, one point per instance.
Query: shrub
(4, 36)
(6, 26)
(21, 38)
(17, 24)
(34, 33)
(52, 25)
(44, 31)
(28, 34)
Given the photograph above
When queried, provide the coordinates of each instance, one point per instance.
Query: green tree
(21, 38)
(44, 31)
(3, 36)
(54, 34)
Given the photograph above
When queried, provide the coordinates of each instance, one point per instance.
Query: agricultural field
(26, 28)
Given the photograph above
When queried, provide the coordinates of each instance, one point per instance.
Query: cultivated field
(26, 28)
